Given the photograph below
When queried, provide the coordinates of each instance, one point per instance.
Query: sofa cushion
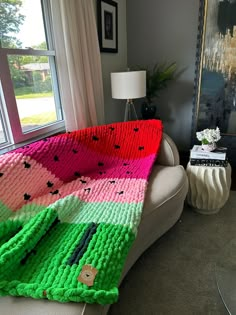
(164, 183)
(168, 154)
(163, 206)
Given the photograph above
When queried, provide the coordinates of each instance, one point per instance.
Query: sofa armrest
(168, 154)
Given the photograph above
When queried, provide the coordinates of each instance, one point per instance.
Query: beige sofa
(164, 201)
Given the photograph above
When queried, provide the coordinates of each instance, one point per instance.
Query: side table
(209, 187)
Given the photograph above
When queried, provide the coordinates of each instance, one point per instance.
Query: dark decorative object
(156, 80)
(214, 100)
(148, 111)
(107, 25)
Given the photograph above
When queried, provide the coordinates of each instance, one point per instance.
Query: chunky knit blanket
(70, 206)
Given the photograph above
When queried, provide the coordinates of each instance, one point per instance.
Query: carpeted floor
(176, 275)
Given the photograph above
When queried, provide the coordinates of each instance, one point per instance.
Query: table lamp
(128, 85)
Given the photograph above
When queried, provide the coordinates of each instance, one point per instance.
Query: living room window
(29, 96)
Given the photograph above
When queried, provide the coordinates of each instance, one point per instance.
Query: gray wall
(111, 62)
(159, 31)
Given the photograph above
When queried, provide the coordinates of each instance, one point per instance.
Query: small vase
(148, 111)
(209, 147)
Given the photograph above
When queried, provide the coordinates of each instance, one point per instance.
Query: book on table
(198, 153)
(209, 162)
(218, 157)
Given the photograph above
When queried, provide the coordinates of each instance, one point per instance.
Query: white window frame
(8, 104)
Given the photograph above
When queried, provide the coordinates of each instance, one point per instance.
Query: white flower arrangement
(207, 136)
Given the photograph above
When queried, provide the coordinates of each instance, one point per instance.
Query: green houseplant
(156, 80)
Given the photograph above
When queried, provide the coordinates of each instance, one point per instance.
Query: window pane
(2, 132)
(21, 24)
(32, 81)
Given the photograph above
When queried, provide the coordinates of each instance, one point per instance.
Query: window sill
(11, 147)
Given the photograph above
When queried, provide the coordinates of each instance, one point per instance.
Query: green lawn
(39, 119)
(28, 92)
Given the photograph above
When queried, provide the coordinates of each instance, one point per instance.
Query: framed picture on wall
(107, 25)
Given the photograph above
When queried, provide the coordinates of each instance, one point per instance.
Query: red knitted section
(124, 140)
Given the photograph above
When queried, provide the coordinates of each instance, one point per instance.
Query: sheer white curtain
(79, 63)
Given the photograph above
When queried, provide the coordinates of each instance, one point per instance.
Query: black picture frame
(107, 22)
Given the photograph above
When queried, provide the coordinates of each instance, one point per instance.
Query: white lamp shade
(128, 85)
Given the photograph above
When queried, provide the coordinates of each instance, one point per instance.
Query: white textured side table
(209, 187)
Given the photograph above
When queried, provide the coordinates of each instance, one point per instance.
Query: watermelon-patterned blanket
(70, 206)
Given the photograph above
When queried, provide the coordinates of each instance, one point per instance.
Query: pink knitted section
(85, 161)
(91, 190)
(108, 163)
(39, 176)
(13, 185)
